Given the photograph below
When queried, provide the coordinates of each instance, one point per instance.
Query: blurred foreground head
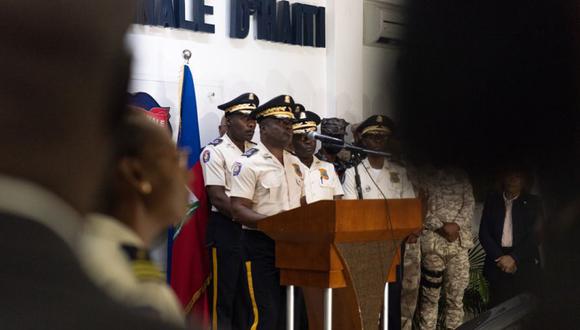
(146, 185)
(64, 74)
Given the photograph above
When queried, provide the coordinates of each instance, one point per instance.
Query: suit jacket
(526, 212)
(42, 285)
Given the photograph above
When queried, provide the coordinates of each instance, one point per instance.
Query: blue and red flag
(188, 266)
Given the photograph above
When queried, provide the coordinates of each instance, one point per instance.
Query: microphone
(324, 138)
(348, 146)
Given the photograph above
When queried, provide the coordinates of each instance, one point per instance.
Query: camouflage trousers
(411, 282)
(444, 265)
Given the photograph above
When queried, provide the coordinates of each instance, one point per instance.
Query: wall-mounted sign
(277, 21)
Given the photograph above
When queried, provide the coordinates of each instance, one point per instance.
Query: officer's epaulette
(143, 268)
(250, 152)
(216, 142)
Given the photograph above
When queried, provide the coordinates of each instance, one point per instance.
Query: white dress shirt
(507, 233)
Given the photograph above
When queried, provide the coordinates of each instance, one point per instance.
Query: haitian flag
(188, 270)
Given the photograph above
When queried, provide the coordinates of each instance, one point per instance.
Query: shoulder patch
(250, 152)
(236, 168)
(395, 177)
(323, 175)
(216, 142)
(206, 156)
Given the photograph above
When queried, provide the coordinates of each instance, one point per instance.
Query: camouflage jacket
(449, 199)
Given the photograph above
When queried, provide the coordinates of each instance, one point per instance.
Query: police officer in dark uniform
(335, 127)
(229, 302)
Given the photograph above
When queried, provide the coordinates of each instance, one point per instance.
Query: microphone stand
(357, 159)
(361, 151)
(358, 154)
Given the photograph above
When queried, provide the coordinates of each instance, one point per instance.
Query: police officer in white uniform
(266, 180)
(379, 177)
(320, 179)
(229, 303)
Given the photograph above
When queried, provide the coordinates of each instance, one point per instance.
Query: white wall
(224, 68)
(344, 39)
(379, 65)
(360, 78)
(346, 79)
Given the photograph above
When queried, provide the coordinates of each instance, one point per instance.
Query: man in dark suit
(62, 87)
(508, 235)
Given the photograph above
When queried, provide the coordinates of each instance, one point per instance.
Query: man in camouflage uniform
(335, 127)
(445, 243)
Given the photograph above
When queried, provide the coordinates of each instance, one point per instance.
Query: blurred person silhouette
(355, 133)
(478, 82)
(145, 193)
(62, 89)
(508, 235)
(223, 127)
(329, 152)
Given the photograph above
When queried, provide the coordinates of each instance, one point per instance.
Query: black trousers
(263, 281)
(229, 298)
(267, 296)
(504, 286)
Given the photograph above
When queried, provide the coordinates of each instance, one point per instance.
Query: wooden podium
(346, 245)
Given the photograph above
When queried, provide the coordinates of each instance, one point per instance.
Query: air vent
(383, 24)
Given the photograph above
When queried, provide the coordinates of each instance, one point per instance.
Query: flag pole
(174, 231)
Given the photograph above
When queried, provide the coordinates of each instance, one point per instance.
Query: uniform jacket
(217, 159)
(271, 186)
(450, 199)
(42, 283)
(105, 254)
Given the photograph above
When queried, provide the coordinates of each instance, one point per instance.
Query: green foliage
(476, 295)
